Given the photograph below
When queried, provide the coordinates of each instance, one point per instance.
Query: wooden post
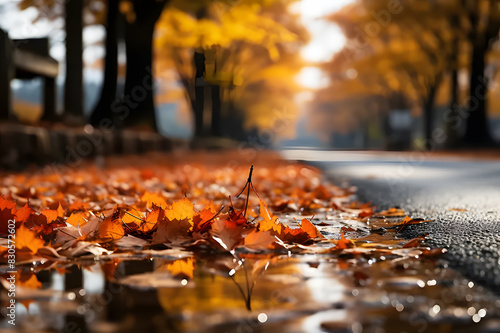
(6, 74)
(73, 87)
(49, 98)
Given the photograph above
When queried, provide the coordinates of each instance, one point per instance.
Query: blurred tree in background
(236, 60)
(414, 51)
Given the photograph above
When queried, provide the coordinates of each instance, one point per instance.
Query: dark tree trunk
(138, 96)
(429, 114)
(216, 109)
(199, 92)
(452, 117)
(73, 85)
(477, 131)
(102, 109)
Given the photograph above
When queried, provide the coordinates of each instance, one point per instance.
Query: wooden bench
(27, 59)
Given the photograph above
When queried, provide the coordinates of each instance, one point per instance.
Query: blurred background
(343, 74)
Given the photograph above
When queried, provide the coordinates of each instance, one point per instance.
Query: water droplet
(470, 284)
(476, 318)
(262, 317)
(71, 296)
(184, 282)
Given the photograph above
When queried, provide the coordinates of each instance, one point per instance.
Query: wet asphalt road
(430, 188)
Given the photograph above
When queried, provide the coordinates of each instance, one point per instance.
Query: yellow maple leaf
(181, 210)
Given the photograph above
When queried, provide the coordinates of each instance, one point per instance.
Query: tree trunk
(102, 109)
(216, 109)
(138, 94)
(452, 122)
(477, 131)
(429, 114)
(199, 92)
(73, 85)
(452, 117)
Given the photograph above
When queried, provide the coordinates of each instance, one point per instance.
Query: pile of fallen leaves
(222, 207)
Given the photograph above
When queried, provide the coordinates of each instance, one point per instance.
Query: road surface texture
(461, 194)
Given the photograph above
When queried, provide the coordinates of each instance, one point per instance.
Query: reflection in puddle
(297, 293)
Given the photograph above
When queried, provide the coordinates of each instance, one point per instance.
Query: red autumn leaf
(236, 217)
(7, 212)
(366, 212)
(347, 229)
(294, 235)
(24, 213)
(204, 219)
(47, 229)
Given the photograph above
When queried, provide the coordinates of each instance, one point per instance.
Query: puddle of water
(297, 293)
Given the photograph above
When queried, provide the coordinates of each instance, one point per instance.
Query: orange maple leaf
(50, 214)
(24, 213)
(294, 235)
(27, 239)
(111, 228)
(260, 240)
(269, 222)
(78, 219)
(181, 210)
(153, 199)
(141, 226)
(204, 219)
(344, 243)
(311, 229)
